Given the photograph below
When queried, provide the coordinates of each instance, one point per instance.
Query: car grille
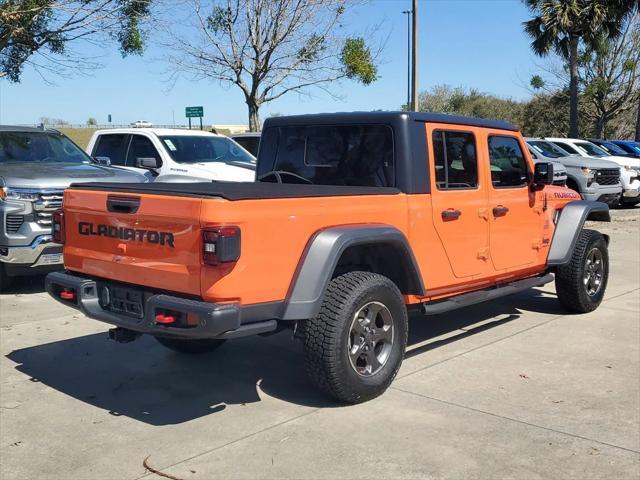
(608, 176)
(48, 202)
(13, 223)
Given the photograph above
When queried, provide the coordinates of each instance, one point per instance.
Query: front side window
(204, 149)
(455, 160)
(113, 146)
(354, 155)
(508, 165)
(39, 147)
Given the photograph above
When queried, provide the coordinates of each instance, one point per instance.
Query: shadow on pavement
(27, 284)
(144, 381)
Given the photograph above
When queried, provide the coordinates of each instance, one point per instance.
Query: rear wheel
(195, 346)
(355, 345)
(582, 282)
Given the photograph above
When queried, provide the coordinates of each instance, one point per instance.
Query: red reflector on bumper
(160, 318)
(68, 295)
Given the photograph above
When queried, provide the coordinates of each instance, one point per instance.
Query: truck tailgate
(147, 240)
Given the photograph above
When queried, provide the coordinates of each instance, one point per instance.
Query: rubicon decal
(126, 234)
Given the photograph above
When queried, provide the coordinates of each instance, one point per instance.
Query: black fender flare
(569, 226)
(322, 254)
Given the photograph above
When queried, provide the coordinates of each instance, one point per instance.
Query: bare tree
(43, 33)
(610, 73)
(268, 48)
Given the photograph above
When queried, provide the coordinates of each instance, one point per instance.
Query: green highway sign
(194, 112)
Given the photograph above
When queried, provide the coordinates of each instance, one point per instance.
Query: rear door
(459, 199)
(147, 240)
(515, 224)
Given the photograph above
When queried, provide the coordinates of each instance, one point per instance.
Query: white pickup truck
(173, 155)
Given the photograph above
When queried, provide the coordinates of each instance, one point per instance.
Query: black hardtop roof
(20, 128)
(385, 117)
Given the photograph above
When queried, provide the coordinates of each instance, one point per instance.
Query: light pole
(414, 58)
(408, 14)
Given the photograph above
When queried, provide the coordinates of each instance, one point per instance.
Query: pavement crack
(515, 420)
(232, 442)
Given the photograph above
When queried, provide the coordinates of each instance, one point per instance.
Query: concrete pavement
(512, 388)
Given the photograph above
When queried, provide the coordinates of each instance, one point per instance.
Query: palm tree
(561, 26)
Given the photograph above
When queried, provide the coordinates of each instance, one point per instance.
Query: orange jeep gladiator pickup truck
(355, 217)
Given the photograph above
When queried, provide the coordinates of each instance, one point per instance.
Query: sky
(470, 43)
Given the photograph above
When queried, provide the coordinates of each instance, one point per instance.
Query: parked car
(354, 218)
(629, 166)
(174, 155)
(593, 178)
(141, 124)
(36, 165)
(250, 141)
(629, 146)
(611, 148)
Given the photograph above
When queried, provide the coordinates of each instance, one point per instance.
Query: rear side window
(114, 146)
(141, 147)
(455, 160)
(508, 166)
(355, 155)
(250, 144)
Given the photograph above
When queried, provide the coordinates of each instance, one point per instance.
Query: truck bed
(237, 190)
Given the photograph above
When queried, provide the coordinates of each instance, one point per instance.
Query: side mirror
(104, 161)
(543, 174)
(147, 162)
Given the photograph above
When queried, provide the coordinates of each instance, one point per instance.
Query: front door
(515, 224)
(459, 199)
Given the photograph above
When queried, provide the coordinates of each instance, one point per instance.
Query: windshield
(39, 147)
(201, 148)
(613, 149)
(548, 149)
(592, 149)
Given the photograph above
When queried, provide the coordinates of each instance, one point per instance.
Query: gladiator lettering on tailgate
(126, 234)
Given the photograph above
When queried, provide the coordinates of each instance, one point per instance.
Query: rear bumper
(216, 320)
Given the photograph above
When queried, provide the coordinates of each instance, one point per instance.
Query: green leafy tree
(268, 48)
(42, 33)
(562, 26)
(92, 122)
(610, 73)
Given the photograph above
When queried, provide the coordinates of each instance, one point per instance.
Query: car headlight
(588, 172)
(9, 193)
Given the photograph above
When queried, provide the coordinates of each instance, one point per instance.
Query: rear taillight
(57, 226)
(220, 245)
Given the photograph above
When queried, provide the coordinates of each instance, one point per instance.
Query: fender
(569, 226)
(322, 255)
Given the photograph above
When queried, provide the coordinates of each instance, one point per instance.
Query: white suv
(629, 167)
(174, 155)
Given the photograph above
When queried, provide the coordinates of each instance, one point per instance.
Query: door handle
(451, 214)
(500, 211)
(119, 204)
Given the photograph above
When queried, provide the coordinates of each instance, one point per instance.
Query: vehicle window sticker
(170, 145)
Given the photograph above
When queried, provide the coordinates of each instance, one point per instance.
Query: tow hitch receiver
(123, 335)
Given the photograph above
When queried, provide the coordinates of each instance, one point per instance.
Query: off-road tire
(570, 284)
(195, 346)
(326, 337)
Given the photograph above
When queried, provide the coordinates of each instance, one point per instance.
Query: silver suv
(593, 178)
(36, 165)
